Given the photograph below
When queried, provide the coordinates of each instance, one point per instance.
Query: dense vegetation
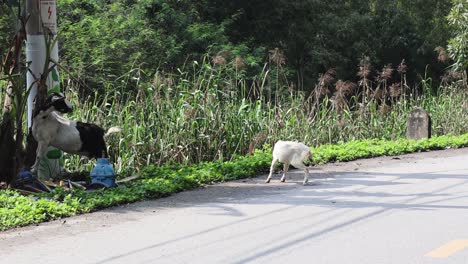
(205, 113)
(314, 36)
(193, 81)
(104, 42)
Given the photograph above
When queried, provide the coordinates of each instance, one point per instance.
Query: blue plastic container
(103, 173)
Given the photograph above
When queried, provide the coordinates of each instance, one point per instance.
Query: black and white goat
(290, 153)
(51, 129)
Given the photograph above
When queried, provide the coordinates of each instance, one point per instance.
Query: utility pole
(42, 56)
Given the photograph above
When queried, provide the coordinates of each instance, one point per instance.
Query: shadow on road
(336, 192)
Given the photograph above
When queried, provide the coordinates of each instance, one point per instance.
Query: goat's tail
(112, 130)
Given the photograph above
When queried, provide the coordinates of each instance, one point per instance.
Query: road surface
(409, 209)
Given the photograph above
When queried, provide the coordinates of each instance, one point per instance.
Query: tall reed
(209, 111)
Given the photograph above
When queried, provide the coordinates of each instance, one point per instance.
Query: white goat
(50, 128)
(290, 153)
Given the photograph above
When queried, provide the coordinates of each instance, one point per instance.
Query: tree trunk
(12, 148)
(8, 168)
(7, 155)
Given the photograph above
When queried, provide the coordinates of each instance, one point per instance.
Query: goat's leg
(306, 176)
(272, 169)
(41, 151)
(306, 172)
(285, 169)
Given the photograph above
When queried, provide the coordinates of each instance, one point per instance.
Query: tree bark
(12, 148)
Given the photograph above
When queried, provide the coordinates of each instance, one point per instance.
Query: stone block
(418, 125)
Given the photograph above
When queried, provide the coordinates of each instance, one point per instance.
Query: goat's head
(59, 102)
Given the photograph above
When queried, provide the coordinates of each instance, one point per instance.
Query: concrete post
(418, 125)
(42, 21)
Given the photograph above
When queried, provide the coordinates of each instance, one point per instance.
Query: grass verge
(159, 181)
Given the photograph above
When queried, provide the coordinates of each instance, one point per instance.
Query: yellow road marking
(448, 249)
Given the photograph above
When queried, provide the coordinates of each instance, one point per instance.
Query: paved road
(412, 209)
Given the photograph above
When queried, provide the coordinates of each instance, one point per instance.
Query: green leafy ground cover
(160, 181)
